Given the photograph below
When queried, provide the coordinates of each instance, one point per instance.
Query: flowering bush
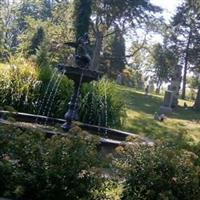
(159, 172)
(35, 167)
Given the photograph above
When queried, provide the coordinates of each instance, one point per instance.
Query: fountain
(79, 74)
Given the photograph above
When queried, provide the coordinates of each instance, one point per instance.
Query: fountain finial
(82, 57)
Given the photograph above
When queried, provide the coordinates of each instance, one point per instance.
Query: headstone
(175, 84)
(119, 79)
(151, 85)
(141, 85)
(147, 90)
(172, 94)
(166, 108)
(168, 98)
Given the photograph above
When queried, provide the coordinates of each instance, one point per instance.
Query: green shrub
(54, 93)
(18, 83)
(28, 88)
(132, 78)
(101, 105)
(34, 167)
(44, 91)
(159, 172)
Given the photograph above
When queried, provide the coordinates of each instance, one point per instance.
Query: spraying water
(92, 104)
(52, 93)
(106, 110)
(45, 94)
(77, 94)
(100, 116)
(54, 96)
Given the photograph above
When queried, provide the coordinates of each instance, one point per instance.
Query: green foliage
(82, 12)
(164, 63)
(159, 172)
(44, 91)
(113, 59)
(28, 88)
(197, 100)
(118, 51)
(41, 9)
(36, 41)
(132, 78)
(101, 104)
(54, 93)
(42, 55)
(193, 82)
(186, 22)
(19, 83)
(50, 50)
(4, 54)
(191, 94)
(35, 167)
(124, 11)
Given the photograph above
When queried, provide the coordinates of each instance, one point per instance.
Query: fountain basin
(109, 138)
(75, 73)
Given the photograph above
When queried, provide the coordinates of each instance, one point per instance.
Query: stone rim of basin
(26, 117)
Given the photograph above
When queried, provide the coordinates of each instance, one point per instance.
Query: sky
(169, 9)
(169, 6)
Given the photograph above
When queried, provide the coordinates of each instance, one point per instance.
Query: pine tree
(118, 52)
(113, 59)
(36, 41)
(42, 55)
(82, 12)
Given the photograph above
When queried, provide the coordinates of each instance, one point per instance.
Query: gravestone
(171, 95)
(151, 85)
(141, 85)
(166, 108)
(168, 98)
(175, 84)
(119, 79)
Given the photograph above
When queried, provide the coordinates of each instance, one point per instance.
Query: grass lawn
(140, 109)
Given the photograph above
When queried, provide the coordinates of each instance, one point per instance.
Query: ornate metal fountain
(79, 74)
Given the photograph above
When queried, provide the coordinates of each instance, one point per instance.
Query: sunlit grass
(140, 109)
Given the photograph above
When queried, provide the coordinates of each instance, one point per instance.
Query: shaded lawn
(140, 109)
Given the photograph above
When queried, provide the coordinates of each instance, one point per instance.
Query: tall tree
(186, 25)
(36, 41)
(82, 13)
(197, 100)
(118, 51)
(164, 61)
(124, 13)
(7, 26)
(113, 59)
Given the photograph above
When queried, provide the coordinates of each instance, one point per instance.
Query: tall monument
(176, 84)
(171, 95)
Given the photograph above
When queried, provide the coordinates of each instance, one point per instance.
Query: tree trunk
(186, 66)
(184, 79)
(197, 101)
(96, 53)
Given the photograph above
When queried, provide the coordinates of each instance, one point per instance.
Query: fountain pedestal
(72, 113)
(79, 76)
